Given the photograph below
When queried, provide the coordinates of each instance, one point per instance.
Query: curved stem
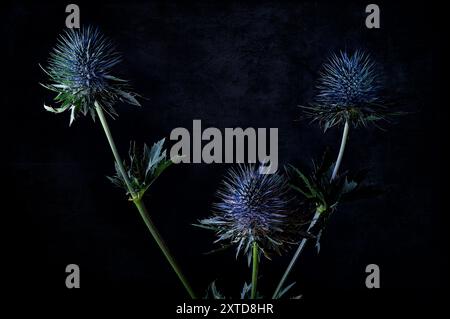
(316, 215)
(341, 151)
(295, 257)
(140, 204)
(255, 255)
(162, 245)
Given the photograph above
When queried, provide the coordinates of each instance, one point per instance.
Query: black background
(229, 64)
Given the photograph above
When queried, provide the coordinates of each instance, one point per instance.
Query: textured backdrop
(229, 65)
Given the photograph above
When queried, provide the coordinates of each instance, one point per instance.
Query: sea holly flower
(255, 212)
(144, 166)
(349, 93)
(253, 207)
(348, 90)
(79, 71)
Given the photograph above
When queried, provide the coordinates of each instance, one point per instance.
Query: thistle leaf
(324, 193)
(55, 110)
(214, 292)
(155, 156)
(144, 167)
(283, 291)
(246, 290)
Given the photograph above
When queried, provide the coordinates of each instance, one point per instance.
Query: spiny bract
(253, 207)
(79, 71)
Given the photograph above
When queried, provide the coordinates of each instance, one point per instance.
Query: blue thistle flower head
(348, 80)
(349, 89)
(79, 70)
(253, 207)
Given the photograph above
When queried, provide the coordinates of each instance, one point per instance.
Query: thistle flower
(79, 69)
(253, 208)
(145, 165)
(79, 72)
(348, 90)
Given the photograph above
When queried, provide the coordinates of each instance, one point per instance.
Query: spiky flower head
(253, 207)
(348, 80)
(348, 89)
(79, 71)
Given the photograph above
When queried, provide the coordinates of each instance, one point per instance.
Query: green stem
(162, 245)
(295, 257)
(119, 161)
(140, 204)
(341, 151)
(316, 215)
(255, 253)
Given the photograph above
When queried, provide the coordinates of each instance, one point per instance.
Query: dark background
(229, 64)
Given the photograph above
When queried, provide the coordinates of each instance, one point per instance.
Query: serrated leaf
(144, 166)
(245, 292)
(284, 291)
(216, 294)
(318, 237)
(128, 98)
(298, 189)
(348, 186)
(305, 180)
(155, 155)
